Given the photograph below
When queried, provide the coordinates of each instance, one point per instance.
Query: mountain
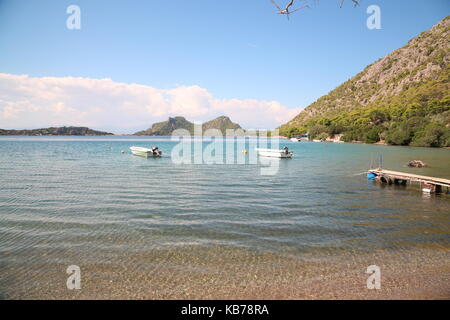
(403, 98)
(222, 123)
(165, 128)
(55, 131)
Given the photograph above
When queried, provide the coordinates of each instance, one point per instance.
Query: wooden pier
(427, 184)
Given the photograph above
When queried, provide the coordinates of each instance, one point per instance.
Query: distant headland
(55, 131)
(164, 128)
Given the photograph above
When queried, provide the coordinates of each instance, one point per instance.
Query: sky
(136, 62)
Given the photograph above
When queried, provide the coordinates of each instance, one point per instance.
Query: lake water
(80, 201)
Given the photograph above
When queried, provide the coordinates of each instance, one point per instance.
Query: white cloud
(28, 102)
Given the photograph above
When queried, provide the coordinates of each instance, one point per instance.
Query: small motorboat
(146, 152)
(275, 153)
(295, 139)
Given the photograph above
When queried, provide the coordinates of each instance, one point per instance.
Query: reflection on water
(80, 201)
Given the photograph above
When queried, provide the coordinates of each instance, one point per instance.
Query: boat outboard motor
(155, 151)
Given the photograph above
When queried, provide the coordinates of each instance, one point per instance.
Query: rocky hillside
(222, 123)
(409, 83)
(165, 128)
(55, 131)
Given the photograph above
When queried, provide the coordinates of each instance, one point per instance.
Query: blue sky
(234, 49)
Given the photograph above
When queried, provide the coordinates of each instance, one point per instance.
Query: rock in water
(417, 164)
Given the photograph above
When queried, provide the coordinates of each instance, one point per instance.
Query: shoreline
(274, 137)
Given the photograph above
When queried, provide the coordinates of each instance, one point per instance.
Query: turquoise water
(79, 200)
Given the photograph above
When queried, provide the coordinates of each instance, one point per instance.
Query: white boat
(295, 140)
(145, 152)
(275, 153)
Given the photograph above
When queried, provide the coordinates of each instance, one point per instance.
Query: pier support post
(400, 182)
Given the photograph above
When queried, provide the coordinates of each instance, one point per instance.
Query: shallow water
(79, 200)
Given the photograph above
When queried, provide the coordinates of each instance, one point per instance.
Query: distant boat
(274, 153)
(301, 137)
(146, 152)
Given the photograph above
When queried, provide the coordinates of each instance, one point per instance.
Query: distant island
(401, 99)
(165, 128)
(55, 131)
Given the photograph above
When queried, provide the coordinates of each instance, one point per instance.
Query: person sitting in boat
(286, 150)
